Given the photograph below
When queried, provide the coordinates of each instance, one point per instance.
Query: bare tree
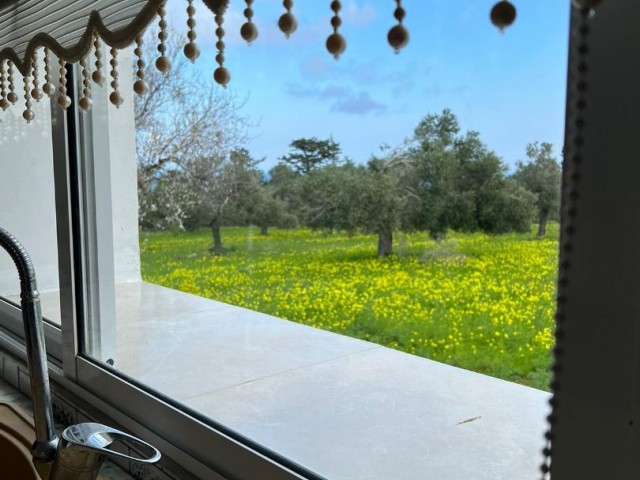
(186, 129)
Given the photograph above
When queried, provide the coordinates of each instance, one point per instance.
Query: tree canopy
(461, 184)
(308, 154)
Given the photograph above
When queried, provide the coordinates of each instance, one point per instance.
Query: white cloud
(343, 99)
(359, 15)
(358, 104)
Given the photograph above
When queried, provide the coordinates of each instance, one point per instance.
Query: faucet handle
(84, 447)
(98, 438)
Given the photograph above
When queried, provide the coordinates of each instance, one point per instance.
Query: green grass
(480, 302)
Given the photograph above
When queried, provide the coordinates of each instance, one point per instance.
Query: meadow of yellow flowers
(484, 303)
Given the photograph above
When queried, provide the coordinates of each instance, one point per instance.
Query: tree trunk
(264, 230)
(217, 237)
(542, 224)
(385, 243)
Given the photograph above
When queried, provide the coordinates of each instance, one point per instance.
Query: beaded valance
(31, 31)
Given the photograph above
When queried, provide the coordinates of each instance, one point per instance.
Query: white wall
(27, 203)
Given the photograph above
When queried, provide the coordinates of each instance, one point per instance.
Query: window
(211, 359)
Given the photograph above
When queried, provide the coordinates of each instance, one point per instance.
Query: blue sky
(508, 86)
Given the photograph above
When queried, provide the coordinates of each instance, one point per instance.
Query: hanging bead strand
(64, 101)
(191, 50)
(287, 22)
(48, 87)
(398, 36)
(85, 102)
(115, 97)
(249, 31)
(12, 96)
(28, 114)
(162, 63)
(4, 103)
(140, 86)
(36, 93)
(221, 75)
(97, 76)
(336, 44)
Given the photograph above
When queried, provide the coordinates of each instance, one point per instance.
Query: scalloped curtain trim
(67, 27)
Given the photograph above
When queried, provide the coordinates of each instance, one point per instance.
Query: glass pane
(252, 249)
(28, 201)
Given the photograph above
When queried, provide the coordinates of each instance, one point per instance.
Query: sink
(17, 434)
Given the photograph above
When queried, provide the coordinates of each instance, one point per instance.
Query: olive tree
(541, 175)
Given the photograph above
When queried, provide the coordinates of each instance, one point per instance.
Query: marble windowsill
(341, 407)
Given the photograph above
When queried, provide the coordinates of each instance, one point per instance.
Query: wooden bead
(116, 99)
(64, 101)
(288, 24)
(249, 32)
(163, 64)
(85, 103)
(37, 94)
(191, 51)
(398, 37)
(503, 14)
(140, 87)
(28, 115)
(98, 77)
(222, 76)
(336, 44)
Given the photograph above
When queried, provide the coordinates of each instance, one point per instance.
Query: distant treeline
(440, 179)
